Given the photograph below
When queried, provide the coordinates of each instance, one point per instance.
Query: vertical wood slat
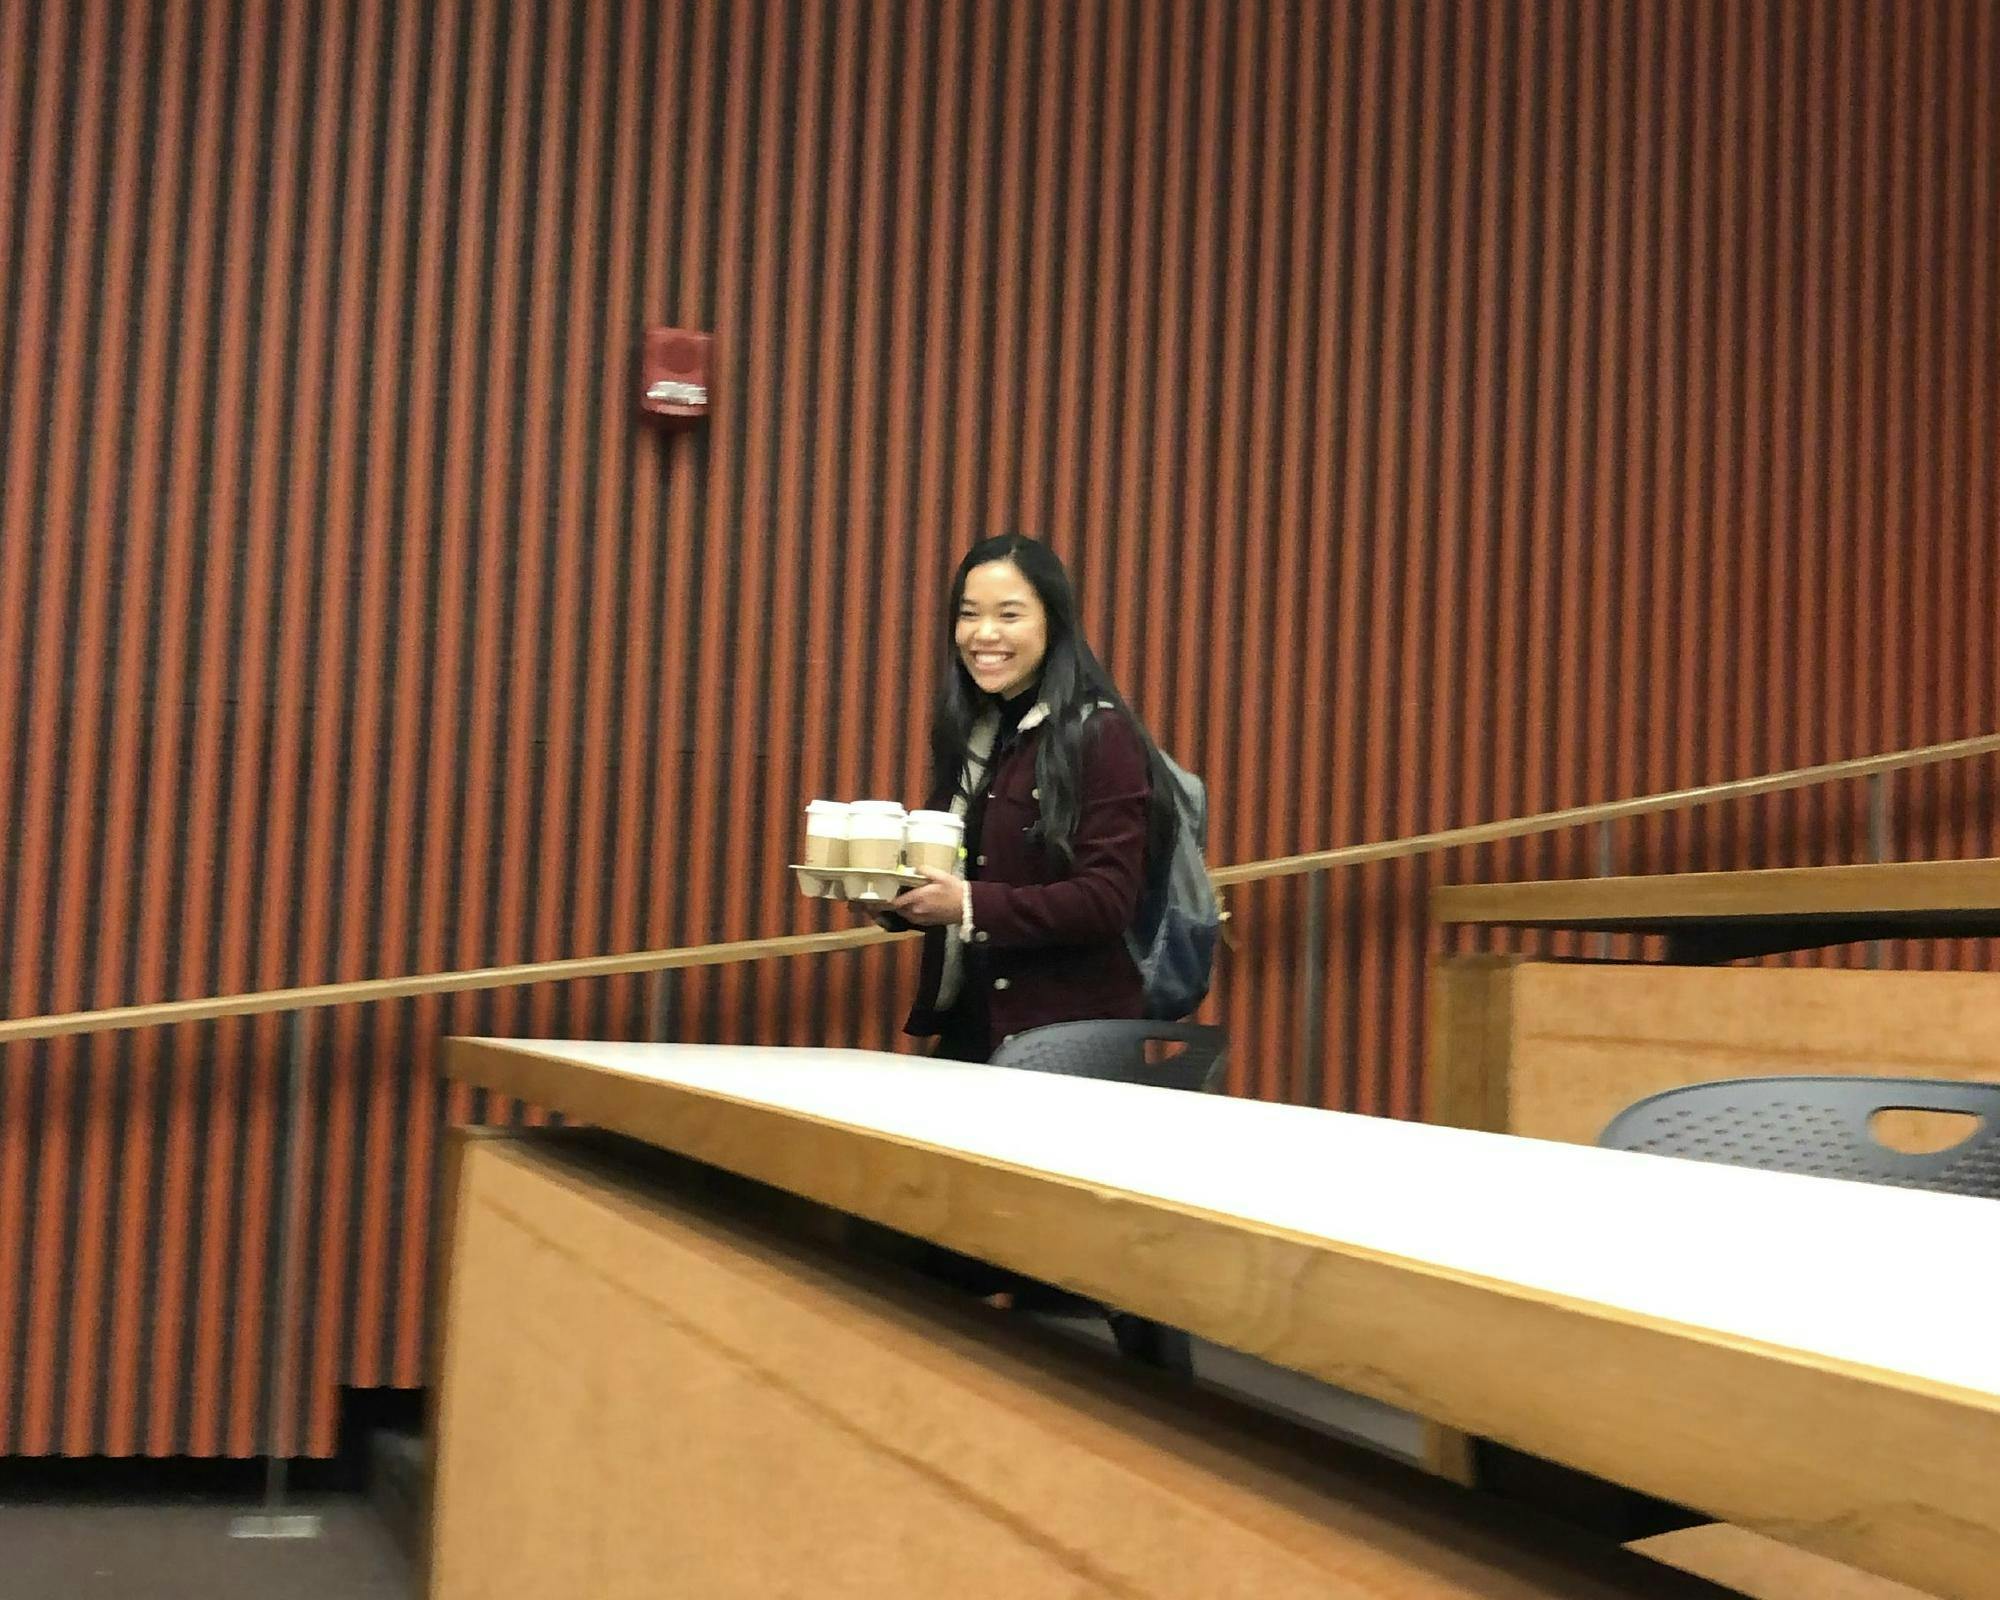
(1450, 410)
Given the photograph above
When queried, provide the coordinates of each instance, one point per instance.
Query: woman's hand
(938, 903)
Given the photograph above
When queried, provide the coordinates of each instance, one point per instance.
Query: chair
(1822, 1127)
(1819, 1126)
(1117, 1053)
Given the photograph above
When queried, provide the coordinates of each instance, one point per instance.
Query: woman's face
(1002, 630)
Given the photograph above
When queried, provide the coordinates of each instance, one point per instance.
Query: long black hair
(1073, 685)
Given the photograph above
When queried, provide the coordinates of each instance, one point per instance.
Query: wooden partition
(1555, 1050)
(643, 1395)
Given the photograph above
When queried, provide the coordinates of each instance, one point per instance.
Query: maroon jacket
(1049, 939)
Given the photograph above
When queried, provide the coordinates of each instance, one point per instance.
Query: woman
(1064, 799)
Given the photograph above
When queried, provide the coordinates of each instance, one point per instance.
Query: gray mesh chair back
(1116, 1051)
(1820, 1126)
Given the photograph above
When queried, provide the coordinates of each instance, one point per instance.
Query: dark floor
(166, 1549)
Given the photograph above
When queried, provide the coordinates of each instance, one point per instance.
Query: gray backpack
(1173, 938)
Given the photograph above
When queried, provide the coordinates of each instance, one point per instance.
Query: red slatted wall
(1450, 410)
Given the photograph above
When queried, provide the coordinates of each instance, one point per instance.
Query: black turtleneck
(1011, 711)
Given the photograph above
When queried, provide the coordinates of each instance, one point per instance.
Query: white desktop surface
(1899, 1280)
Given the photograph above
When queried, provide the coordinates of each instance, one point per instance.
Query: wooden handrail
(317, 996)
(1606, 811)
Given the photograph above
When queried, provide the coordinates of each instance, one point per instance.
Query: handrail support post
(1878, 844)
(1312, 989)
(281, 1339)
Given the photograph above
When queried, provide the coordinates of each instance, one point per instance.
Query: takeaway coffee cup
(875, 835)
(933, 839)
(826, 834)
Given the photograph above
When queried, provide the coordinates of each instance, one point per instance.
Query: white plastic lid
(821, 808)
(937, 819)
(877, 808)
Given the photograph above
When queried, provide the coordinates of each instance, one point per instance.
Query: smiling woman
(1002, 629)
(1064, 799)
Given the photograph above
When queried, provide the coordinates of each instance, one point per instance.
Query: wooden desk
(660, 1380)
(1722, 916)
(1702, 1333)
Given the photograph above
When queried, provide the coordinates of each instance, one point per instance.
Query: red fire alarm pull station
(674, 372)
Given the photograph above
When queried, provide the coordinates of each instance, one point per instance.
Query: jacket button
(1034, 794)
(1001, 983)
(980, 937)
(982, 861)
